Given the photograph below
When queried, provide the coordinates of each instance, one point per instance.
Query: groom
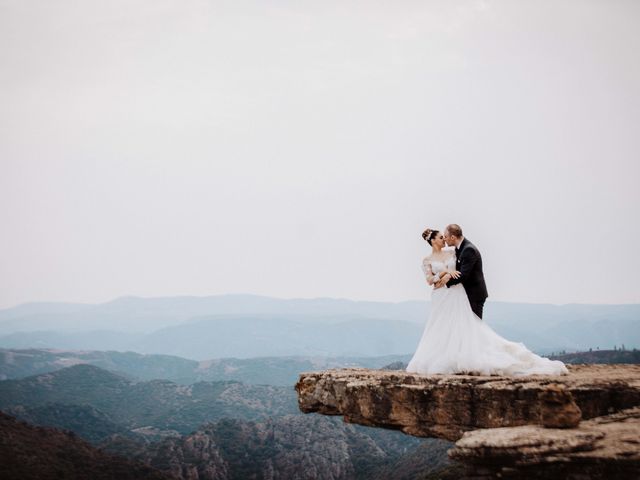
(469, 264)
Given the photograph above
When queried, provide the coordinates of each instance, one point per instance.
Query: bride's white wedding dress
(455, 340)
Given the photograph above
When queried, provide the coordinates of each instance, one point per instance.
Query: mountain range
(158, 404)
(200, 429)
(246, 326)
(209, 430)
(280, 371)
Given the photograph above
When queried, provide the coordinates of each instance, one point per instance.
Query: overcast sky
(299, 149)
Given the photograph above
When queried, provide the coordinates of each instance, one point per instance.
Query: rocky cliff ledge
(506, 419)
(606, 447)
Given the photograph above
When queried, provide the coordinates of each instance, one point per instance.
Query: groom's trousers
(477, 307)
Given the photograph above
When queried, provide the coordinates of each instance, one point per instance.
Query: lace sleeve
(428, 273)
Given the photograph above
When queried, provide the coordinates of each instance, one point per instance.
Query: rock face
(289, 447)
(557, 408)
(603, 447)
(446, 406)
(508, 426)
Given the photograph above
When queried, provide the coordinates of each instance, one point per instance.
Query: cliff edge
(507, 426)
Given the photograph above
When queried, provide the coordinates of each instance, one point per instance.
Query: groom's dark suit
(469, 264)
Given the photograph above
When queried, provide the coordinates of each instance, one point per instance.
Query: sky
(299, 149)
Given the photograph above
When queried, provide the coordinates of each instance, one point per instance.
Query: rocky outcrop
(537, 426)
(603, 447)
(288, 447)
(446, 406)
(558, 409)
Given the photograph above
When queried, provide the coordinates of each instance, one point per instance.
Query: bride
(455, 340)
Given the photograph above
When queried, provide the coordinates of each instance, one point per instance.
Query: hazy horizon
(427, 299)
(152, 297)
(298, 150)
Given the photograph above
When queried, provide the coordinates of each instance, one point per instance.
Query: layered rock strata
(603, 447)
(582, 425)
(447, 406)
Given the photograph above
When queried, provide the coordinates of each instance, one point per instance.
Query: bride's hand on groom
(455, 274)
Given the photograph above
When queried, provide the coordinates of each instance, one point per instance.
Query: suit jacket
(469, 264)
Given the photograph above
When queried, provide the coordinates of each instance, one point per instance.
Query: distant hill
(600, 356)
(548, 328)
(16, 363)
(89, 422)
(36, 453)
(136, 314)
(241, 337)
(266, 336)
(159, 404)
(247, 326)
(278, 371)
(283, 371)
(227, 429)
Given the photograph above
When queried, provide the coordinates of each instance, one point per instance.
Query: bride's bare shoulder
(426, 259)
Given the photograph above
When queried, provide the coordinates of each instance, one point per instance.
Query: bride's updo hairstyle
(429, 235)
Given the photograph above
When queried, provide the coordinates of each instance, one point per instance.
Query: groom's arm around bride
(469, 264)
